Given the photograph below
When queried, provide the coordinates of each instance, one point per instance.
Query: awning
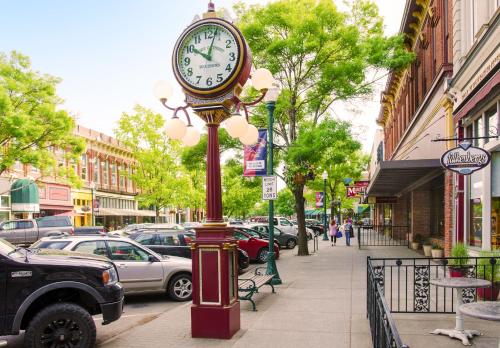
(394, 177)
(24, 196)
(123, 212)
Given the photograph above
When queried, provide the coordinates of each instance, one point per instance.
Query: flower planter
(427, 250)
(457, 272)
(489, 294)
(437, 253)
(415, 245)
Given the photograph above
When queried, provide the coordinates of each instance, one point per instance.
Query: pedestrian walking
(333, 232)
(347, 226)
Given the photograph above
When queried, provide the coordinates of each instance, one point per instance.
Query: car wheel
(291, 243)
(262, 255)
(181, 287)
(61, 325)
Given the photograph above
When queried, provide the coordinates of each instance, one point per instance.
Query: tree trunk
(298, 192)
(157, 213)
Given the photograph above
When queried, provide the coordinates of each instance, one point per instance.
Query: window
(123, 251)
(169, 239)
(113, 173)
(146, 239)
(495, 201)
(18, 166)
(4, 201)
(491, 122)
(52, 245)
(122, 176)
(240, 236)
(105, 172)
(476, 222)
(9, 226)
(83, 166)
(96, 170)
(285, 222)
(96, 247)
(129, 181)
(478, 131)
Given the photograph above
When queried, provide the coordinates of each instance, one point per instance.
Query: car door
(3, 285)
(287, 226)
(280, 236)
(172, 245)
(243, 243)
(136, 271)
(7, 231)
(30, 232)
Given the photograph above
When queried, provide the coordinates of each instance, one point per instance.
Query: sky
(109, 54)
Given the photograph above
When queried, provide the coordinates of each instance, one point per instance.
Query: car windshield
(7, 248)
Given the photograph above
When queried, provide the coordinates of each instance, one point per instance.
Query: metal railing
(383, 235)
(405, 282)
(382, 326)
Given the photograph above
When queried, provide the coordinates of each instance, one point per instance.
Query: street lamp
(92, 190)
(270, 100)
(338, 203)
(325, 176)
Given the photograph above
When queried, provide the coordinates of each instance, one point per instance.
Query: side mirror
(152, 258)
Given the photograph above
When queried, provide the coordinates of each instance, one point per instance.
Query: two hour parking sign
(269, 188)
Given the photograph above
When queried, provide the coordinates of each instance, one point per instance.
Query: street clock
(210, 58)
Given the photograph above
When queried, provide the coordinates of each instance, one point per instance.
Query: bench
(249, 286)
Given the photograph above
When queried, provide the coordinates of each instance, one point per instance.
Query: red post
(215, 312)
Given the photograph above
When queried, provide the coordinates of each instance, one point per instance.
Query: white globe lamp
(236, 125)
(176, 129)
(262, 79)
(251, 136)
(163, 90)
(192, 136)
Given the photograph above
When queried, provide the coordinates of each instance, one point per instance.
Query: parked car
(28, 231)
(257, 248)
(129, 229)
(90, 230)
(284, 225)
(285, 240)
(176, 243)
(316, 226)
(139, 268)
(53, 295)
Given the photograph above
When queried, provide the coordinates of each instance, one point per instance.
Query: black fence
(383, 235)
(405, 282)
(382, 326)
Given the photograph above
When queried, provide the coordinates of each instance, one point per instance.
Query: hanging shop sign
(320, 198)
(254, 163)
(465, 159)
(357, 190)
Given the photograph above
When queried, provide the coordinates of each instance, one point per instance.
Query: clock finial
(211, 10)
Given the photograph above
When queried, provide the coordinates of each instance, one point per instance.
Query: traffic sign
(269, 188)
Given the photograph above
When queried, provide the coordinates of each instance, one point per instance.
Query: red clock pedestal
(215, 312)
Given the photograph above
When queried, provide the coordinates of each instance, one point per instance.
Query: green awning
(24, 196)
(363, 208)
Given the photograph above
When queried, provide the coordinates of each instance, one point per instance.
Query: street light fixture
(325, 177)
(270, 100)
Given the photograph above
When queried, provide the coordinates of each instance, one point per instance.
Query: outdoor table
(488, 310)
(458, 284)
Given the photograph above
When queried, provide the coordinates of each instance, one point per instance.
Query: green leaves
(31, 125)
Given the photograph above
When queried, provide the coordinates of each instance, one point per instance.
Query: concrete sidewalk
(321, 303)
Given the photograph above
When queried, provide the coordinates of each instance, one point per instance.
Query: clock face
(207, 56)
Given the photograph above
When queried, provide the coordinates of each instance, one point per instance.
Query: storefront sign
(358, 190)
(465, 159)
(320, 198)
(254, 157)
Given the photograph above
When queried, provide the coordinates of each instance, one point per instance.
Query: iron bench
(249, 286)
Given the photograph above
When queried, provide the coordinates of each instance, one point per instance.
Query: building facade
(475, 89)
(408, 187)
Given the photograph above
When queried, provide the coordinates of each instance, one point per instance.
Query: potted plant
(437, 251)
(460, 258)
(417, 239)
(427, 246)
(486, 270)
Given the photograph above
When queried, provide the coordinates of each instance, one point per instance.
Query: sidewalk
(321, 303)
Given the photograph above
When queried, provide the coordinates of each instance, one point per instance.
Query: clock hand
(204, 55)
(211, 46)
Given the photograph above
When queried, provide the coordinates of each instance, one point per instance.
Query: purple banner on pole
(255, 156)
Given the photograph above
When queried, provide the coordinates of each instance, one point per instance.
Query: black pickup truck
(53, 295)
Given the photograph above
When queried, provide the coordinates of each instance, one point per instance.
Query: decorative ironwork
(422, 289)
(378, 276)
(383, 235)
(469, 295)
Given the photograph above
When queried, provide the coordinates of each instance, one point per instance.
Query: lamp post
(325, 176)
(92, 190)
(338, 203)
(270, 100)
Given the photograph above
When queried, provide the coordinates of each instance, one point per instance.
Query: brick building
(408, 186)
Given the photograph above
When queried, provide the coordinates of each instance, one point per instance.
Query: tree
(239, 194)
(319, 55)
(30, 124)
(284, 204)
(157, 173)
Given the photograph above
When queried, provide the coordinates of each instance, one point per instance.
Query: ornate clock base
(461, 335)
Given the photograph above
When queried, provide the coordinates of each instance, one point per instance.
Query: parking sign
(269, 188)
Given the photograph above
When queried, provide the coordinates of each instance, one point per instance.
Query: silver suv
(139, 268)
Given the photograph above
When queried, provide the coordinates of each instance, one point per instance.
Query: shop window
(4, 216)
(478, 131)
(491, 122)
(4, 201)
(495, 201)
(476, 223)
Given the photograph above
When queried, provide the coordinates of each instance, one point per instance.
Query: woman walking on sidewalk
(333, 232)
